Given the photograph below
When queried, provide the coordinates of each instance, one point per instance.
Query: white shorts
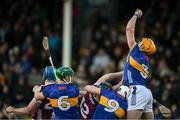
(141, 98)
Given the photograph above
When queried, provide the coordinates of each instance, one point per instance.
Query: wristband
(136, 15)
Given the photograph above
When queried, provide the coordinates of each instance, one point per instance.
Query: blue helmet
(48, 73)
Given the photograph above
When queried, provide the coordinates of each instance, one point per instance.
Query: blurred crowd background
(99, 44)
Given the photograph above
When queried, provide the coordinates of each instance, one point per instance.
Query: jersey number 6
(63, 105)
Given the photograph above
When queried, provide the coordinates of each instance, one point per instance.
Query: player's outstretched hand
(9, 109)
(138, 13)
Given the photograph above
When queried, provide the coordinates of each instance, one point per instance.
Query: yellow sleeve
(99, 91)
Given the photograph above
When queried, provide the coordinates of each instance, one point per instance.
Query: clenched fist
(138, 13)
(9, 109)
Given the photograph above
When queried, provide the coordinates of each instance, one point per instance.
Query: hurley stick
(166, 112)
(46, 48)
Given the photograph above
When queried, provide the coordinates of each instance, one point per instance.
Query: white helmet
(124, 91)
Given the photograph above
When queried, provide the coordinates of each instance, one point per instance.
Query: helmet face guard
(65, 74)
(147, 46)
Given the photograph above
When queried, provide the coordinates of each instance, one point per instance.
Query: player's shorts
(140, 98)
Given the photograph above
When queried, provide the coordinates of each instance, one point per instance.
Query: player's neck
(48, 83)
(60, 82)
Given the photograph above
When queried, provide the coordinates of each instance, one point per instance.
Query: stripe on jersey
(137, 66)
(119, 112)
(72, 101)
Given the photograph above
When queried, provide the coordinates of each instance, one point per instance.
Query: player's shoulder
(58, 85)
(105, 91)
(90, 99)
(72, 86)
(68, 85)
(134, 49)
(47, 86)
(54, 88)
(136, 53)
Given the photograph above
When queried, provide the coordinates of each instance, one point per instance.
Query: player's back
(64, 100)
(132, 69)
(111, 105)
(44, 111)
(88, 106)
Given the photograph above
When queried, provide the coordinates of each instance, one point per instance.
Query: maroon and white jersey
(88, 106)
(44, 111)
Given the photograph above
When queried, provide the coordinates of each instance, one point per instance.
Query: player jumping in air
(136, 72)
(63, 95)
(38, 109)
(90, 101)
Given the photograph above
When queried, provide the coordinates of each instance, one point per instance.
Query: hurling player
(136, 72)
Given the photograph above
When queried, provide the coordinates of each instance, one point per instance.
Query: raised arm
(109, 76)
(95, 90)
(130, 28)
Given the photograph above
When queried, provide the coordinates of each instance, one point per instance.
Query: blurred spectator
(100, 61)
(34, 78)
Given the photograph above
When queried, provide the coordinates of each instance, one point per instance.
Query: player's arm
(28, 110)
(39, 96)
(92, 89)
(109, 76)
(115, 87)
(130, 28)
(82, 93)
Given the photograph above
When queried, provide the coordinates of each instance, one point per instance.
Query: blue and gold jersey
(63, 99)
(136, 69)
(111, 105)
